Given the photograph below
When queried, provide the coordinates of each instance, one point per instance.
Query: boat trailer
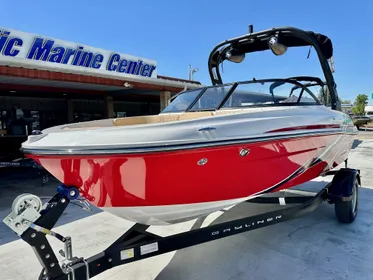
(32, 221)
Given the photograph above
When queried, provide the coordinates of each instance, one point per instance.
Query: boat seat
(162, 118)
(159, 118)
(194, 115)
(145, 119)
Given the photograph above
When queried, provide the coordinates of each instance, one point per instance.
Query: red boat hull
(198, 175)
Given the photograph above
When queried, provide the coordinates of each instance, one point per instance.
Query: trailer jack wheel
(346, 209)
(21, 202)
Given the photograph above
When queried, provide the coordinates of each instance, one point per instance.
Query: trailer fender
(343, 183)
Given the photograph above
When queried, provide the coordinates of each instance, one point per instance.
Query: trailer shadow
(313, 246)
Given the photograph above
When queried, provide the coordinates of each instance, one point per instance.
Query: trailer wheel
(346, 211)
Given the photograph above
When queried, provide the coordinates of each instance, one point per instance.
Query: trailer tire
(346, 211)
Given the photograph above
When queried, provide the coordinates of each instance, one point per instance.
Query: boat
(211, 147)
(359, 121)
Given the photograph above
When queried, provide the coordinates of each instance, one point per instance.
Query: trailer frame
(32, 224)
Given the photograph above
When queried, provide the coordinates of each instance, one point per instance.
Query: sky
(179, 33)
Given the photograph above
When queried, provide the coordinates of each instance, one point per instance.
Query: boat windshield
(274, 92)
(183, 101)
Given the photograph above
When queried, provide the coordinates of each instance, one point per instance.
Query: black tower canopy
(278, 40)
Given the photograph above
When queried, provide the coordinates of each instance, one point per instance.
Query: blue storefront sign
(22, 46)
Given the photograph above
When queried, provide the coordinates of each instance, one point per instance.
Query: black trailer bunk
(32, 223)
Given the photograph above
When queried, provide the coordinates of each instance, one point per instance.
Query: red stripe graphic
(315, 126)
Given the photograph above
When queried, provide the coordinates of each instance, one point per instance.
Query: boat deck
(314, 246)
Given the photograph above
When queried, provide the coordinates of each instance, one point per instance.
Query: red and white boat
(212, 147)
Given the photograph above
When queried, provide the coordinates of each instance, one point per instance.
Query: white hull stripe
(165, 148)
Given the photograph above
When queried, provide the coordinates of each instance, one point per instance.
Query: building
(346, 108)
(46, 82)
(369, 110)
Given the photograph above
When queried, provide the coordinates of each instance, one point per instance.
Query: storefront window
(21, 115)
(88, 110)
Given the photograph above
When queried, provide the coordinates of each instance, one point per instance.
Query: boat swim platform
(314, 246)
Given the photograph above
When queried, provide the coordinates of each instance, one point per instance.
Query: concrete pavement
(314, 246)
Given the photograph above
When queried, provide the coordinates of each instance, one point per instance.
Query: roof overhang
(25, 73)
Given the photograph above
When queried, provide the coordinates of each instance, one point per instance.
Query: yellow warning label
(127, 254)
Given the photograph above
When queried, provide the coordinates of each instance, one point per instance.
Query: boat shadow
(356, 143)
(316, 244)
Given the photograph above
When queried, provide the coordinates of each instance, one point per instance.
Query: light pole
(191, 72)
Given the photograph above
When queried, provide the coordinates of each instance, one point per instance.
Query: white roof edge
(6, 61)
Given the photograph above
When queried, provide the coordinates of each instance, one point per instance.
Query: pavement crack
(290, 234)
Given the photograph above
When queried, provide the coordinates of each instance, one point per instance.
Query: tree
(359, 105)
(324, 96)
(345, 101)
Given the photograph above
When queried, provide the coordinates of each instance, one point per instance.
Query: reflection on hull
(165, 187)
